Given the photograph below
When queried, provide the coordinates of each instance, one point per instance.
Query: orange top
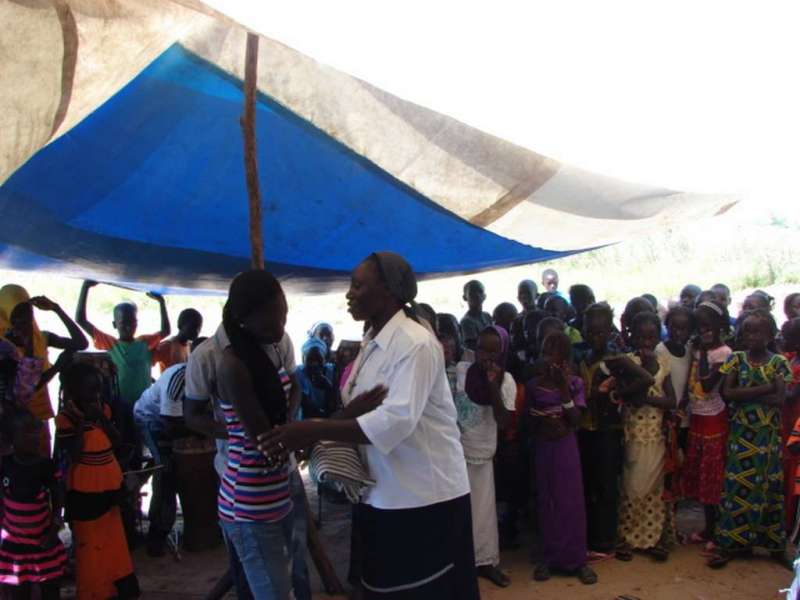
(97, 470)
(104, 341)
(170, 352)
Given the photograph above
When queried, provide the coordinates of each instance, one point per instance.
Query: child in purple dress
(555, 398)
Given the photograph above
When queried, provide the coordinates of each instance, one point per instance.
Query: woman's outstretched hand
(367, 402)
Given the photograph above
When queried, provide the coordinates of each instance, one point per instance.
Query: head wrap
(312, 343)
(317, 326)
(477, 383)
(11, 296)
(398, 276)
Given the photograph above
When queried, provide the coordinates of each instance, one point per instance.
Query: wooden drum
(198, 484)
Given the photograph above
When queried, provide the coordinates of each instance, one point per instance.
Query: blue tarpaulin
(149, 190)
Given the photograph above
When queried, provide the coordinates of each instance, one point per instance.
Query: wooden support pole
(248, 123)
(333, 586)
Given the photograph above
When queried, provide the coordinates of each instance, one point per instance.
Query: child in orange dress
(94, 482)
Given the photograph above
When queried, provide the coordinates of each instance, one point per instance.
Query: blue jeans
(300, 580)
(263, 550)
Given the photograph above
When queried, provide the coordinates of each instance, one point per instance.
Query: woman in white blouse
(415, 523)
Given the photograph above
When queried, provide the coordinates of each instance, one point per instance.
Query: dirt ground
(683, 577)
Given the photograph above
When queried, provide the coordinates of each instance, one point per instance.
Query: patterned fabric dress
(644, 517)
(704, 469)
(751, 510)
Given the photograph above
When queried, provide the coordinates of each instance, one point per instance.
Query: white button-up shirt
(416, 456)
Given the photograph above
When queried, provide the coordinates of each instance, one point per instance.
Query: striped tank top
(249, 490)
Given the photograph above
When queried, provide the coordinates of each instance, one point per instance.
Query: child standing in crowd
(675, 350)
(31, 554)
(689, 294)
(475, 320)
(581, 297)
(485, 394)
(751, 510)
(600, 435)
(324, 332)
(103, 564)
(554, 402)
(559, 308)
(316, 379)
(645, 521)
(504, 315)
(527, 292)
(550, 282)
(32, 369)
(758, 300)
(175, 350)
(708, 424)
(133, 356)
(632, 308)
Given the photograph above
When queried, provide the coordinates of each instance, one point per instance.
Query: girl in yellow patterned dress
(645, 521)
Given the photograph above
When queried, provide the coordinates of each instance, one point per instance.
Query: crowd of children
(600, 430)
(616, 426)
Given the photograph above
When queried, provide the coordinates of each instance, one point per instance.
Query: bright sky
(700, 96)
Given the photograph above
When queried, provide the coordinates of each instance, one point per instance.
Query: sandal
(719, 560)
(623, 553)
(541, 573)
(596, 557)
(699, 537)
(586, 575)
(659, 553)
(495, 575)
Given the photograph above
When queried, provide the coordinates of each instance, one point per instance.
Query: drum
(198, 484)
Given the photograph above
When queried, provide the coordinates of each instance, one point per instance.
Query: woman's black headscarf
(399, 278)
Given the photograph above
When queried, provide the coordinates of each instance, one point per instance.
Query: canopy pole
(248, 123)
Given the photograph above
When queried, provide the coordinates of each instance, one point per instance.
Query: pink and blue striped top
(249, 489)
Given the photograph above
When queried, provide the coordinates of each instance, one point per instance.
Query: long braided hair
(249, 291)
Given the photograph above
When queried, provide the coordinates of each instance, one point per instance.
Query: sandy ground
(684, 576)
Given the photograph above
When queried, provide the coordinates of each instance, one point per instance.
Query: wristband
(568, 405)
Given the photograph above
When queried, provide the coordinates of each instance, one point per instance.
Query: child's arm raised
(80, 312)
(166, 328)
(76, 340)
